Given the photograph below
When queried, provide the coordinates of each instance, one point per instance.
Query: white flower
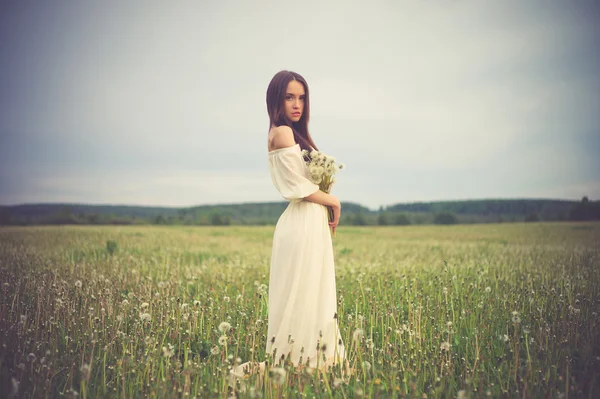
(488, 289)
(445, 346)
(215, 350)
(515, 317)
(31, 357)
(168, 352)
(315, 179)
(369, 343)
(125, 302)
(196, 303)
(278, 375)
(226, 299)
(358, 334)
(85, 370)
(184, 306)
(144, 305)
(505, 338)
(367, 365)
(78, 284)
(145, 317)
(224, 327)
(223, 340)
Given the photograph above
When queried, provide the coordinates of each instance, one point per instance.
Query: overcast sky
(163, 103)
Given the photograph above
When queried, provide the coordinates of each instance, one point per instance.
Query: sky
(163, 103)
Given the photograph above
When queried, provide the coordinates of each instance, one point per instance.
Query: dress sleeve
(288, 176)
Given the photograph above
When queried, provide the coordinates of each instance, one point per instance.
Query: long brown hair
(275, 107)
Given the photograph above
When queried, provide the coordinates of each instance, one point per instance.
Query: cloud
(422, 101)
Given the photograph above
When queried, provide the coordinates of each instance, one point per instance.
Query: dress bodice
(289, 173)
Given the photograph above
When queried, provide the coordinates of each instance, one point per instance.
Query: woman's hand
(337, 211)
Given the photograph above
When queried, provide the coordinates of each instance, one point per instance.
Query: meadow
(468, 311)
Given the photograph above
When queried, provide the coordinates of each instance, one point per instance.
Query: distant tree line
(443, 213)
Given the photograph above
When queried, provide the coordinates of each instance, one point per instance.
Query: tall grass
(424, 311)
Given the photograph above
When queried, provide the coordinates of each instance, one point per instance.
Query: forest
(267, 213)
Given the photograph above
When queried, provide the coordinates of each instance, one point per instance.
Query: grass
(500, 310)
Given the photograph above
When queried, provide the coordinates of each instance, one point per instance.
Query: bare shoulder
(282, 136)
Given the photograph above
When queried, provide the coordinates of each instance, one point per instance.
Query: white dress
(302, 290)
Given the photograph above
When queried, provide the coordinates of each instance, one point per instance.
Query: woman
(302, 326)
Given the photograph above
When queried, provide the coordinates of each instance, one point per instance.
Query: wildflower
(488, 289)
(449, 324)
(196, 303)
(262, 289)
(369, 343)
(31, 357)
(85, 370)
(224, 327)
(226, 299)
(515, 317)
(168, 351)
(125, 302)
(505, 338)
(78, 284)
(278, 375)
(445, 346)
(215, 350)
(223, 340)
(366, 365)
(145, 317)
(184, 306)
(144, 305)
(358, 334)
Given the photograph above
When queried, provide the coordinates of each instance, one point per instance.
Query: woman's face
(294, 100)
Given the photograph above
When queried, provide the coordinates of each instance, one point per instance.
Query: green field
(500, 310)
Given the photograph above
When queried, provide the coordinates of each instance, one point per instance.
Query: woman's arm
(321, 197)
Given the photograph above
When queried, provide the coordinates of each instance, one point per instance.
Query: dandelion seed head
(358, 334)
(224, 327)
(278, 375)
(78, 284)
(366, 365)
(145, 317)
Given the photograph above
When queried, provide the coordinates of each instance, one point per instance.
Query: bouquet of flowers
(322, 169)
